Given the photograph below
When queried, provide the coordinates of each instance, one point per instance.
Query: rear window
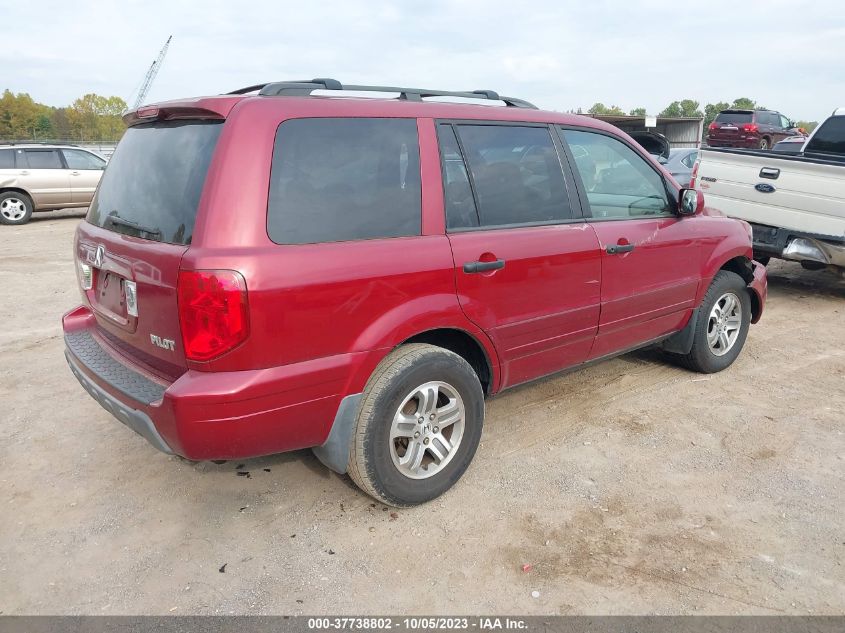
(735, 117)
(7, 159)
(336, 180)
(829, 138)
(154, 180)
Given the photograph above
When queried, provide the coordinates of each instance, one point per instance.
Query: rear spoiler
(207, 108)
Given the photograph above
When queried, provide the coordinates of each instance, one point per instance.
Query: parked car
(796, 204)
(274, 271)
(680, 164)
(791, 145)
(45, 177)
(756, 129)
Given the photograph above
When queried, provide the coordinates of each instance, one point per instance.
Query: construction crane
(151, 75)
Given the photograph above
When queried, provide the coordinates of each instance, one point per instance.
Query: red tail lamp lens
(213, 312)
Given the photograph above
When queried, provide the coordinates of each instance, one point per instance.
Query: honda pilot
(289, 266)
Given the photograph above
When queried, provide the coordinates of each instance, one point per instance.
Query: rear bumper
(748, 142)
(205, 415)
(797, 246)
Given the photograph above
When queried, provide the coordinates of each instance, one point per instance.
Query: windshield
(153, 182)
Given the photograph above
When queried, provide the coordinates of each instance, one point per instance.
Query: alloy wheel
(724, 324)
(427, 430)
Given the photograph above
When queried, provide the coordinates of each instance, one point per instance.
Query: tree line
(691, 108)
(90, 118)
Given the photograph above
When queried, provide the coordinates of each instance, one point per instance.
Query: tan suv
(44, 178)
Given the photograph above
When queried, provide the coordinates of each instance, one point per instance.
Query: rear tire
(418, 427)
(15, 208)
(722, 327)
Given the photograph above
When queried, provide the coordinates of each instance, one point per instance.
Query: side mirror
(691, 201)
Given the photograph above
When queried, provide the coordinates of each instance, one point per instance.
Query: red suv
(275, 271)
(754, 129)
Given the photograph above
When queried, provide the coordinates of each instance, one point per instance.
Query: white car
(46, 177)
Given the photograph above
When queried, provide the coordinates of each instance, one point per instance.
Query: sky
(561, 55)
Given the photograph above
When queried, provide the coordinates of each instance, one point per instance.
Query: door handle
(24, 173)
(771, 173)
(619, 248)
(74, 173)
(480, 267)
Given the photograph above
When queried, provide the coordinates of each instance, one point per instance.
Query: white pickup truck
(795, 204)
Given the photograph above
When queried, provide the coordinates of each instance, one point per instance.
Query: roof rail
(304, 88)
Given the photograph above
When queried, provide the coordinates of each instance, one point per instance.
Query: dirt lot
(631, 487)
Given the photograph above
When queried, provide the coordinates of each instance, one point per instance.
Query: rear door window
(154, 180)
(461, 212)
(43, 159)
(829, 138)
(689, 159)
(619, 182)
(79, 159)
(337, 180)
(516, 173)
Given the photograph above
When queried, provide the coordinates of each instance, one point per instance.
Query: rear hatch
(138, 227)
(728, 125)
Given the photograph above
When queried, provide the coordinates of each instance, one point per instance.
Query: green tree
(684, 108)
(600, 108)
(713, 109)
(744, 103)
(97, 118)
(638, 112)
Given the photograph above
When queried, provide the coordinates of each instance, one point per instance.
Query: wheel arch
(464, 345)
(744, 267)
(5, 189)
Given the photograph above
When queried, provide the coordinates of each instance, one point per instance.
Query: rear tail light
(749, 127)
(86, 276)
(213, 312)
(713, 126)
(694, 174)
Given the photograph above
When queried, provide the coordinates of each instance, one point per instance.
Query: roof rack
(304, 88)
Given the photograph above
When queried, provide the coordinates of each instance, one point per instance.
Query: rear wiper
(116, 219)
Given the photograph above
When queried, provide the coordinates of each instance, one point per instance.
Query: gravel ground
(632, 487)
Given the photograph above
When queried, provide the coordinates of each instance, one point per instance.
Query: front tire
(765, 143)
(418, 427)
(722, 327)
(15, 208)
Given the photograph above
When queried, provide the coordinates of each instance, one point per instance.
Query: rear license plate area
(110, 295)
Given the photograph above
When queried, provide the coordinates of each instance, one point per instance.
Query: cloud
(560, 55)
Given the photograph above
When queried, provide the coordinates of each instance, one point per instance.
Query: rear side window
(689, 159)
(516, 173)
(734, 118)
(79, 159)
(154, 180)
(43, 159)
(460, 205)
(7, 159)
(829, 138)
(336, 180)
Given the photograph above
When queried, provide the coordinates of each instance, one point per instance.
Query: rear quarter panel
(313, 301)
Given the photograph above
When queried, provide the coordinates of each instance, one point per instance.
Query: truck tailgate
(794, 193)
